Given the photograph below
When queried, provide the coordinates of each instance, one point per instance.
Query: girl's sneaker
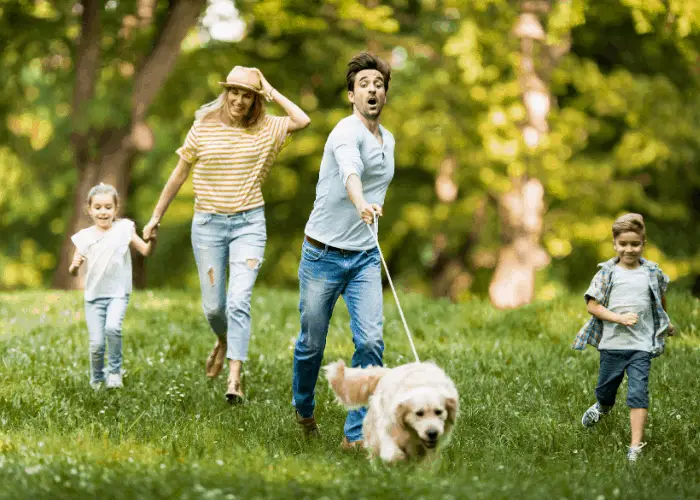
(114, 381)
(592, 415)
(633, 452)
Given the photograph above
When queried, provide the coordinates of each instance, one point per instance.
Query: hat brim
(240, 85)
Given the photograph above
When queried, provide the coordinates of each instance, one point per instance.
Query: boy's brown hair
(629, 223)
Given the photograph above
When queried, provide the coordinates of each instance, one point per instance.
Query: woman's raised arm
(298, 119)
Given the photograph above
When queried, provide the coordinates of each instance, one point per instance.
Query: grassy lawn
(170, 434)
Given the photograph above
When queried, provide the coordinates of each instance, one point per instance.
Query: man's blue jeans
(236, 243)
(324, 275)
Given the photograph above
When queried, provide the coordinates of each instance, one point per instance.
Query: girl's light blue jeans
(104, 318)
(325, 275)
(236, 243)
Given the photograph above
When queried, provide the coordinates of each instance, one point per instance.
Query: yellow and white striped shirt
(230, 164)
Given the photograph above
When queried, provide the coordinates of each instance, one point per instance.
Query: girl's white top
(108, 259)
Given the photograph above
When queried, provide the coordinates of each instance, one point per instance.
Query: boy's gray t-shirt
(350, 149)
(630, 293)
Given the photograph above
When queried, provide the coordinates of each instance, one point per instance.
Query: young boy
(626, 300)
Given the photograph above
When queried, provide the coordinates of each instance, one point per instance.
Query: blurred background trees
(106, 91)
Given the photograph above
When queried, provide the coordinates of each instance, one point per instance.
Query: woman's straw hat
(247, 78)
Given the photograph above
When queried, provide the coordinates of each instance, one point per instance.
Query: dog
(412, 408)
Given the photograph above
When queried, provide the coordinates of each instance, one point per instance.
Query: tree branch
(155, 70)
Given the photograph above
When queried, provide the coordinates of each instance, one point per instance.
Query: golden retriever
(411, 408)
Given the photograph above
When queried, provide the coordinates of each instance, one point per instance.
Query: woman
(232, 145)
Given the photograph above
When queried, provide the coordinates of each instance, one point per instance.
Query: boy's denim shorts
(613, 365)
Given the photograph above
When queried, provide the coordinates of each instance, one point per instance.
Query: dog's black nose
(432, 434)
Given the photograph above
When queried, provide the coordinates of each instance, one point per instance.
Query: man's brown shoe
(215, 361)
(308, 426)
(354, 445)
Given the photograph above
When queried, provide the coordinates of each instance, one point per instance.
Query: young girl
(105, 247)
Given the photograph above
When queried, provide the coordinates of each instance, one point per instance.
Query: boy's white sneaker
(114, 381)
(592, 415)
(96, 386)
(633, 452)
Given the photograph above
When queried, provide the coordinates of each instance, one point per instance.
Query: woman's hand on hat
(266, 87)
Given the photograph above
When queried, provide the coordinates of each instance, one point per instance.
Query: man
(339, 256)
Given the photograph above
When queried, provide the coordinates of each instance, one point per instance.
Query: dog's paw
(392, 455)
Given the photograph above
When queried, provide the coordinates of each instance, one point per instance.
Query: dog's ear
(401, 411)
(452, 405)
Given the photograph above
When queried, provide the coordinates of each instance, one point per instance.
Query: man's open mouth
(372, 101)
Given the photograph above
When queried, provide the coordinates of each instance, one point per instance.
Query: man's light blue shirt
(350, 149)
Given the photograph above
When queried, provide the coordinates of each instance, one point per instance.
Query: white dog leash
(391, 284)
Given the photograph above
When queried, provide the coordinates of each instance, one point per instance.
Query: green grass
(170, 434)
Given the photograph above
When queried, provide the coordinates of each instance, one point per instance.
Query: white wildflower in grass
(32, 470)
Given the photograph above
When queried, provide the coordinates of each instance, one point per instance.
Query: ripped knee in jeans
(210, 273)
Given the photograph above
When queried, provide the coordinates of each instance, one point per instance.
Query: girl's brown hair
(629, 223)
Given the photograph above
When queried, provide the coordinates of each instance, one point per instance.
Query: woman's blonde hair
(629, 223)
(221, 107)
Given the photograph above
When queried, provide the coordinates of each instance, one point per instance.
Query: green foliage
(170, 434)
(623, 134)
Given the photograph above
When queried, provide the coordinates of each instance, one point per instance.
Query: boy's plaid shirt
(600, 289)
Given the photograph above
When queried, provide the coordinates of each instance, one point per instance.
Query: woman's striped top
(230, 164)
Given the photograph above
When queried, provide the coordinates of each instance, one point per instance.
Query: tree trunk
(520, 210)
(87, 177)
(117, 148)
(450, 275)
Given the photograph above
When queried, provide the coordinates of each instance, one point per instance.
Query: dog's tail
(353, 386)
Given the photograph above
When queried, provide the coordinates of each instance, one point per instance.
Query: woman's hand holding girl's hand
(154, 234)
(151, 228)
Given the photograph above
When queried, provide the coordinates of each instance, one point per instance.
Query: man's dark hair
(365, 60)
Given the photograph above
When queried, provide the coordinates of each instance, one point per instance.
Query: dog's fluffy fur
(412, 408)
